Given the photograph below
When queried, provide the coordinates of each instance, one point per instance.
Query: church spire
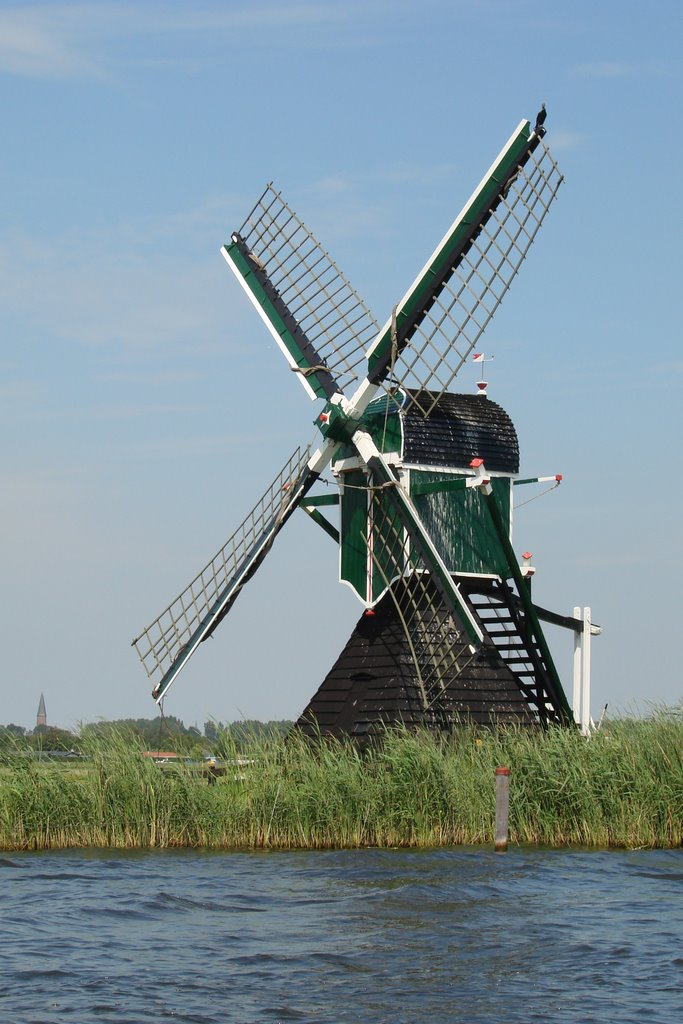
(41, 717)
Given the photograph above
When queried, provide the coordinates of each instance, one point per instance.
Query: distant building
(41, 717)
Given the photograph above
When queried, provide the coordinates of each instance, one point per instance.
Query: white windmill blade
(318, 320)
(165, 646)
(439, 321)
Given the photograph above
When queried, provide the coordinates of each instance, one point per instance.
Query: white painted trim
(586, 673)
(581, 690)
(361, 398)
(322, 456)
(394, 459)
(454, 471)
(346, 465)
(271, 329)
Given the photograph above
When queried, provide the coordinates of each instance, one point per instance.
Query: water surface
(363, 936)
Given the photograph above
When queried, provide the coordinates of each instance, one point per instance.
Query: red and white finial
(526, 566)
(482, 384)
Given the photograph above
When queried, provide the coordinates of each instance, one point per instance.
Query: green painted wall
(387, 556)
(354, 525)
(388, 544)
(460, 525)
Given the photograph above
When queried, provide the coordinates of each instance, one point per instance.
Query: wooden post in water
(502, 808)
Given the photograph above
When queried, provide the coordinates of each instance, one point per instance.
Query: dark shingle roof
(459, 429)
(373, 684)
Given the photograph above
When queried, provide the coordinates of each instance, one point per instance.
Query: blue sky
(144, 407)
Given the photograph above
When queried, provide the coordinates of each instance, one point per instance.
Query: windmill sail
(169, 641)
(440, 319)
(315, 316)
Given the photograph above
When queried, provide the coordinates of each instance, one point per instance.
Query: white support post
(576, 690)
(581, 693)
(586, 673)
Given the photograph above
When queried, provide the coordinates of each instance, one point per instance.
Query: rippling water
(359, 936)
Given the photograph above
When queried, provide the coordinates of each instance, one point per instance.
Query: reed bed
(621, 788)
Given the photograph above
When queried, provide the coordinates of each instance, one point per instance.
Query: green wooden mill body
(432, 457)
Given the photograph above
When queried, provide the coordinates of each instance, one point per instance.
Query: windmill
(425, 475)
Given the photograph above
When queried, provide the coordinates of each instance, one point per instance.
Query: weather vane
(479, 357)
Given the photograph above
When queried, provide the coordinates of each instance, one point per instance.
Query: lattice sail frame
(439, 646)
(198, 609)
(454, 322)
(329, 313)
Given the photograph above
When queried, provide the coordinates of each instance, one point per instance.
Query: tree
(212, 730)
(49, 737)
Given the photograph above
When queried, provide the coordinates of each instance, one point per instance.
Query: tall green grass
(623, 787)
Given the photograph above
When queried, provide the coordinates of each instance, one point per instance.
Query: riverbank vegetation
(167, 733)
(621, 788)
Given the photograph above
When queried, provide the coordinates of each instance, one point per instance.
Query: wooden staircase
(503, 619)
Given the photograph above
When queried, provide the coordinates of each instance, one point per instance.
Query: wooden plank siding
(373, 684)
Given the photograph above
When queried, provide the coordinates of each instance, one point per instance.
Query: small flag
(478, 357)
